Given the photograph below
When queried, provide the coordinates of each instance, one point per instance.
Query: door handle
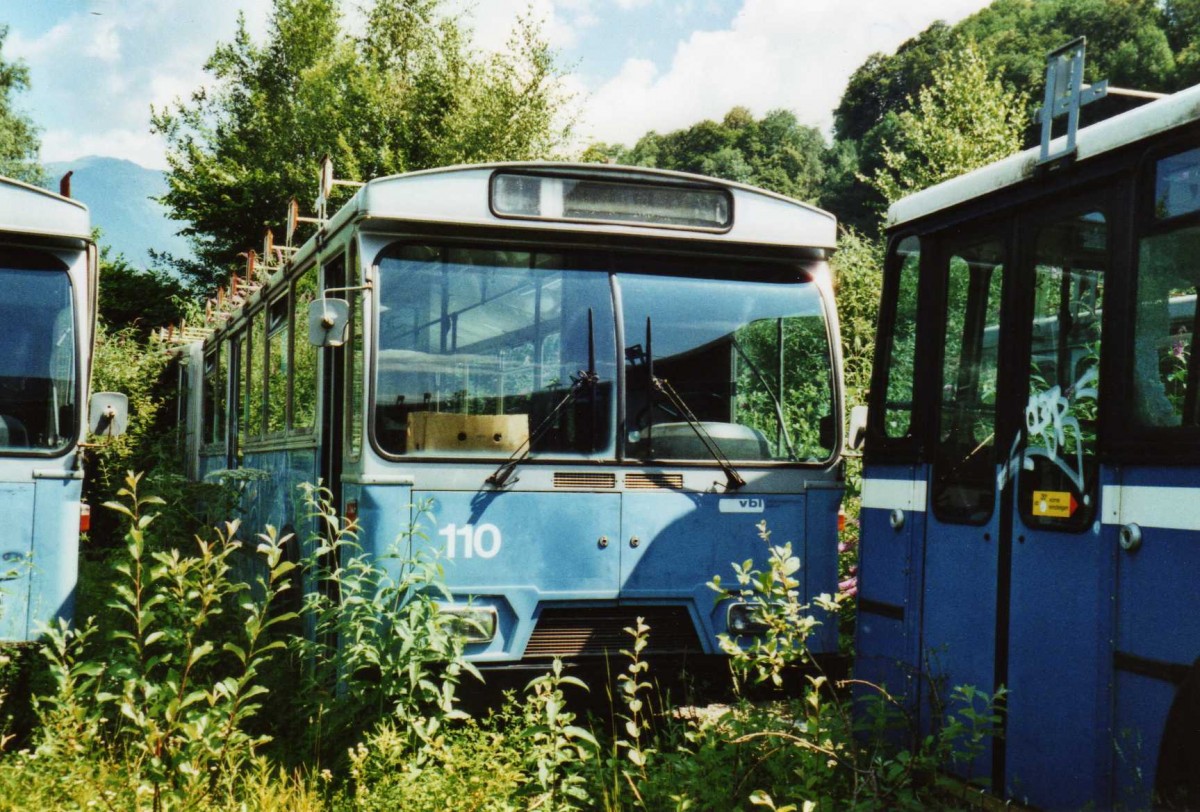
(1130, 537)
(896, 519)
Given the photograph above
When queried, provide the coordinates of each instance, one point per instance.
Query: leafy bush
(165, 687)
(381, 652)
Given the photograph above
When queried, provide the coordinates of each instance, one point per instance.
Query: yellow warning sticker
(1054, 504)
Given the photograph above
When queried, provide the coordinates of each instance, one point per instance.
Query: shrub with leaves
(557, 746)
(169, 687)
(381, 650)
(785, 621)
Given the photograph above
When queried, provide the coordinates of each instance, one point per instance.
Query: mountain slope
(120, 195)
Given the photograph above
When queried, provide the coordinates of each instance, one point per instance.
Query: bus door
(1152, 511)
(1055, 662)
(963, 547)
(892, 520)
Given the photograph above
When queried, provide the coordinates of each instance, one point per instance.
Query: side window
(901, 342)
(1058, 474)
(254, 384)
(304, 367)
(964, 473)
(237, 393)
(1168, 277)
(277, 365)
(213, 426)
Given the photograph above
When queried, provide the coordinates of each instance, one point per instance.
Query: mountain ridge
(121, 197)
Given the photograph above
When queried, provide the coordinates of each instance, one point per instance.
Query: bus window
(1071, 256)
(457, 369)
(304, 367)
(254, 386)
(277, 365)
(750, 359)
(37, 366)
(902, 341)
(213, 406)
(964, 476)
(1165, 372)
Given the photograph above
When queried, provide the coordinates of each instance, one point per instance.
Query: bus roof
(26, 209)
(1128, 127)
(462, 194)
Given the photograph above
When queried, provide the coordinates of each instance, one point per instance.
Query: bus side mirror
(858, 427)
(327, 322)
(108, 414)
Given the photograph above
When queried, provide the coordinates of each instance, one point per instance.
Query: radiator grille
(648, 481)
(584, 479)
(579, 632)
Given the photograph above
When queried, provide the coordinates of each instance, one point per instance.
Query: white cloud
(138, 146)
(777, 53)
(121, 56)
(562, 20)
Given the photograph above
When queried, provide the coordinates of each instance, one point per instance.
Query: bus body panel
(1059, 665)
(269, 482)
(16, 554)
(890, 579)
(1156, 639)
(55, 560)
(958, 642)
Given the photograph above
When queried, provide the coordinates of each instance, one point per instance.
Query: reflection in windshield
(37, 366)
(478, 350)
(750, 359)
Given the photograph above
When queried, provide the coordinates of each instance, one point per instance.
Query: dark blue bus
(1031, 493)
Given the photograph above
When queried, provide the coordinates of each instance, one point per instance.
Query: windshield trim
(56, 264)
(806, 273)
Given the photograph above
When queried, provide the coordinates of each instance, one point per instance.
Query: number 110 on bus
(481, 540)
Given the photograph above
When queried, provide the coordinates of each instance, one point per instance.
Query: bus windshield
(750, 361)
(37, 368)
(482, 352)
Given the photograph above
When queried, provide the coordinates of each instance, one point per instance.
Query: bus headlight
(742, 618)
(474, 624)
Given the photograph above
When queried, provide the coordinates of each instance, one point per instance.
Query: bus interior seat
(13, 433)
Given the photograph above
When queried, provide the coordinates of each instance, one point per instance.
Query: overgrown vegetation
(193, 688)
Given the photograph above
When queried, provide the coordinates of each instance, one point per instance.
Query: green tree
(409, 94)
(142, 300)
(19, 143)
(775, 152)
(963, 120)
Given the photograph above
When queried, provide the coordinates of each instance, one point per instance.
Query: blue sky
(97, 66)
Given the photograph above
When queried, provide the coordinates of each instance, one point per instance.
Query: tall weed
(380, 650)
(169, 686)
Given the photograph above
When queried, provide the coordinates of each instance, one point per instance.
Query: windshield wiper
(733, 480)
(584, 377)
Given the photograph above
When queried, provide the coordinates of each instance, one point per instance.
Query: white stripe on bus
(889, 494)
(1151, 506)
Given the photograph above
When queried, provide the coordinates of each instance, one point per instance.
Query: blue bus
(597, 379)
(48, 277)
(1031, 480)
